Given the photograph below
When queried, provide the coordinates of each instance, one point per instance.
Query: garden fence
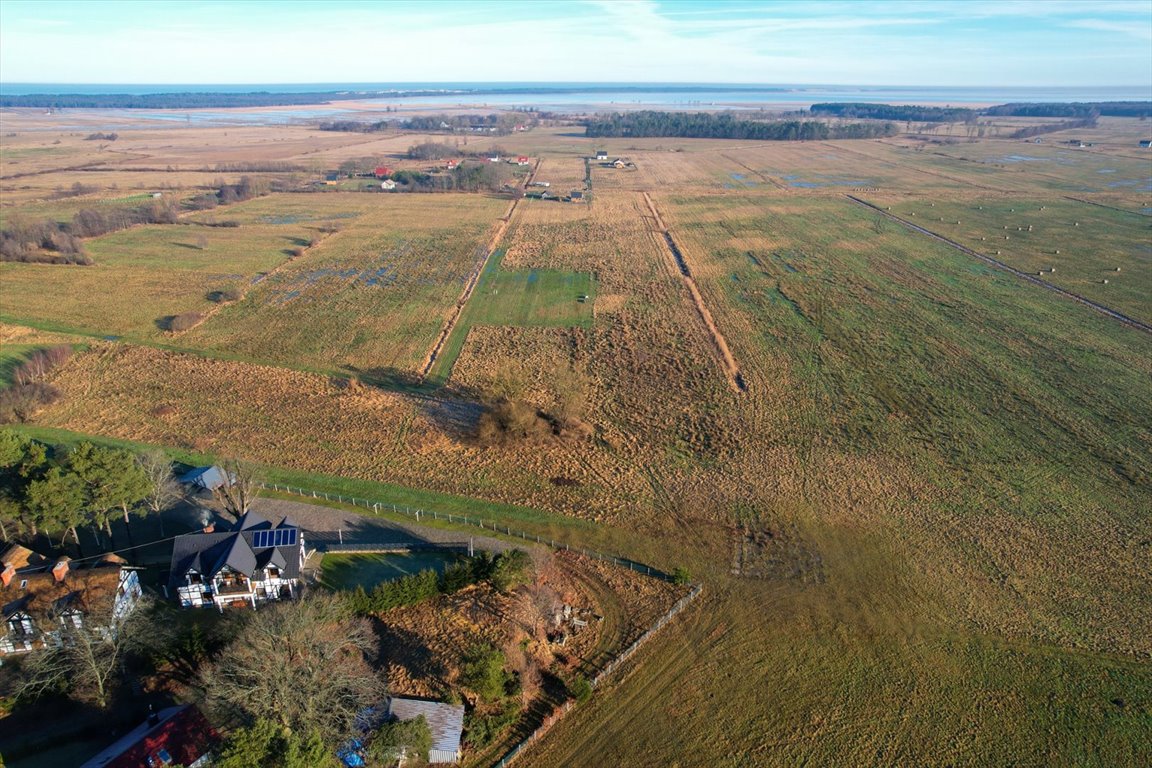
(489, 527)
(611, 667)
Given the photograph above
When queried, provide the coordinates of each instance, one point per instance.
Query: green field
(1084, 244)
(522, 298)
(537, 297)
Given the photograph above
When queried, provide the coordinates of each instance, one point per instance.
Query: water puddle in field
(1024, 159)
(297, 218)
(744, 180)
(1140, 185)
(818, 182)
(1106, 170)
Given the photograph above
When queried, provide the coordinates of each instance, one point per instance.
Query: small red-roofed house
(174, 736)
(383, 172)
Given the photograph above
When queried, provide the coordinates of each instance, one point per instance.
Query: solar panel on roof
(281, 537)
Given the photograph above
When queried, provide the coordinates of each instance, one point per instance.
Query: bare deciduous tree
(236, 493)
(303, 665)
(163, 490)
(90, 654)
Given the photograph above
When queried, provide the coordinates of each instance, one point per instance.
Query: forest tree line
(902, 112)
(500, 124)
(705, 125)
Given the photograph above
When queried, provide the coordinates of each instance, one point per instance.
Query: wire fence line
(419, 514)
(600, 678)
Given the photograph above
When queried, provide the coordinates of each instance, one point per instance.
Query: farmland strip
(735, 378)
(1131, 321)
(473, 281)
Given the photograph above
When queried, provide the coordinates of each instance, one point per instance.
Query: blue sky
(918, 42)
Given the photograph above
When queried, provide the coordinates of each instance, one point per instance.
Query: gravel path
(324, 524)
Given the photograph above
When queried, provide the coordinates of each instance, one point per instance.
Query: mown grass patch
(348, 571)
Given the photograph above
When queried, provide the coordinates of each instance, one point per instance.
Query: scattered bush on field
(681, 576)
(76, 190)
(101, 137)
(480, 729)
(28, 392)
(40, 363)
(226, 295)
(183, 321)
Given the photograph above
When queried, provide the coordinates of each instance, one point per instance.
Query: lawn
(348, 571)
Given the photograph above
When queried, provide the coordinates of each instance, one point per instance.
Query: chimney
(8, 573)
(60, 570)
(210, 528)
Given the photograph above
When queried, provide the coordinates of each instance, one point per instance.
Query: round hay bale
(1105, 281)
(1057, 251)
(1117, 269)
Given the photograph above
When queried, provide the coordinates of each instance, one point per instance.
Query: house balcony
(236, 588)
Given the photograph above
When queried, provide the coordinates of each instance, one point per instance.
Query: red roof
(185, 736)
(383, 170)
(522, 159)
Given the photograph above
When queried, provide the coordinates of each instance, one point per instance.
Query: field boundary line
(601, 677)
(1108, 311)
(1105, 205)
(719, 344)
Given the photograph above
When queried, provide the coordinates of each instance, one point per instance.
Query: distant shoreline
(556, 97)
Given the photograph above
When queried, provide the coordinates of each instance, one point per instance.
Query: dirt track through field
(731, 370)
(1131, 321)
(458, 310)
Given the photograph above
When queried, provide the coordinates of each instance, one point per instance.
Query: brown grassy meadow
(923, 528)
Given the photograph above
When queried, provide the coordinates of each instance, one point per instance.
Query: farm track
(473, 281)
(1115, 315)
(727, 361)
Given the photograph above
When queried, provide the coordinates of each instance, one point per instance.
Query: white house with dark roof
(253, 562)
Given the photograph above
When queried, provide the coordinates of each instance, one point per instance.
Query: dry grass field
(372, 296)
(923, 527)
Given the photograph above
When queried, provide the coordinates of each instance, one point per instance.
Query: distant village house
(43, 598)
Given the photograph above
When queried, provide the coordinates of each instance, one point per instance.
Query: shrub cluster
(184, 321)
(28, 392)
(20, 402)
(102, 137)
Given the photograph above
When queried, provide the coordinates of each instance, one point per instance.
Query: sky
(860, 42)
